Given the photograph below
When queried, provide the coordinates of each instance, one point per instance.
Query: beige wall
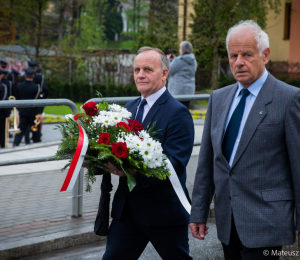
(190, 10)
(275, 29)
(295, 32)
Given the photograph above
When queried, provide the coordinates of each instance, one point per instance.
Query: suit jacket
(27, 90)
(154, 202)
(4, 112)
(262, 188)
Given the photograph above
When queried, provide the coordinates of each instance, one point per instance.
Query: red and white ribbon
(82, 145)
(178, 188)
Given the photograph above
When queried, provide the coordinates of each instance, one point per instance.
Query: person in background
(7, 78)
(27, 90)
(39, 80)
(181, 79)
(5, 112)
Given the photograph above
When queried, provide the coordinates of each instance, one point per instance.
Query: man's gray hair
(163, 57)
(260, 36)
(186, 47)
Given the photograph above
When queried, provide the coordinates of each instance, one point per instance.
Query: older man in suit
(152, 211)
(249, 155)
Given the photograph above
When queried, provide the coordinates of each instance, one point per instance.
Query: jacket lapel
(256, 115)
(133, 107)
(155, 108)
(224, 110)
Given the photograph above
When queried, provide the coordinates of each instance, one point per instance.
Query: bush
(291, 81)
(81, 91)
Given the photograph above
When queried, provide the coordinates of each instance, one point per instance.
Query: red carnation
(90, 108)
(135, 126)
(120, 150)
(78, 116)
(124, 125)
(104, 138)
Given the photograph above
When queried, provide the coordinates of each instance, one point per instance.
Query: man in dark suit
(27, 90)
(4, 112)
(152, 212)
(249, 155)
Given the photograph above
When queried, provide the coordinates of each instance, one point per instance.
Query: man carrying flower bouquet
(152, 212)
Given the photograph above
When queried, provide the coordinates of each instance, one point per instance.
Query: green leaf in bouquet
(90, 178)
(130, 179)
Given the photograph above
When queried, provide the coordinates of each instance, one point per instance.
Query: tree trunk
(134, 13)
(138, 14)
(60, 25)
(214, 75)
(39, 29)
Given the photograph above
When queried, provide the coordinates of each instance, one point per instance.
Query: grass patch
(201, 103)
(60, 110)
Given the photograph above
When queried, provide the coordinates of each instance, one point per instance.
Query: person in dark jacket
(8, 78)
(27, 90)
(152, 211)
(181, 80)
(5, 112)
(39, 80)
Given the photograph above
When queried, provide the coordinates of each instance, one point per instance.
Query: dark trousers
(25, 124)
(127, 240)
(2, 132)
(237, 251)
(186, 103)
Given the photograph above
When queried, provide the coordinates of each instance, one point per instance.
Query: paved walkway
(32, 206)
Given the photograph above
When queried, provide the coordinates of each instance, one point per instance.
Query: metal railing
(77, 192)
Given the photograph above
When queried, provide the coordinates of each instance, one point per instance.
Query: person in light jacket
(182, 72)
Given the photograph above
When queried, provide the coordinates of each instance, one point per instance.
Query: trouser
(237, 251)
(2, 132)
(25, 124)
(127, 240)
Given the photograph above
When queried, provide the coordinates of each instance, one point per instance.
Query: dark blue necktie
(139, 116)
(234, 126)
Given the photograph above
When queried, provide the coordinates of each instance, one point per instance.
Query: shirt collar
(153, 97)
(256, 86)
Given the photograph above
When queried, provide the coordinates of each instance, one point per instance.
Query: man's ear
(266, 55)
(165, 74)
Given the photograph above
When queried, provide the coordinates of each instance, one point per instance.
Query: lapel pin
(261, 112)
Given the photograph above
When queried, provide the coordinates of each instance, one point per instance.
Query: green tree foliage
(87, 33)
(211, 21)
(161, 31)
(29, 22)
(113, 20)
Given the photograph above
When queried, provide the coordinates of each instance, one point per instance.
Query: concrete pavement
(35, 216)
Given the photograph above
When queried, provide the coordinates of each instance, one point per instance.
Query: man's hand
(114, 170)
(41, 117)
(169, 56)
(199, 230)
(85, 164)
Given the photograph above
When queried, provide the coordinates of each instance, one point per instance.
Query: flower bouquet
(112, 137)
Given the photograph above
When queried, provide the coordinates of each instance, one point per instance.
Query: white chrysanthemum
(69, 117)
(115, 108)
(144, 134)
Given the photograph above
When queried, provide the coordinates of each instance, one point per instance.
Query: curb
(29, 147)
(48, 243)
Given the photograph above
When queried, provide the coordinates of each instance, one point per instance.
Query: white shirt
(150, 101)
(254, 89)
